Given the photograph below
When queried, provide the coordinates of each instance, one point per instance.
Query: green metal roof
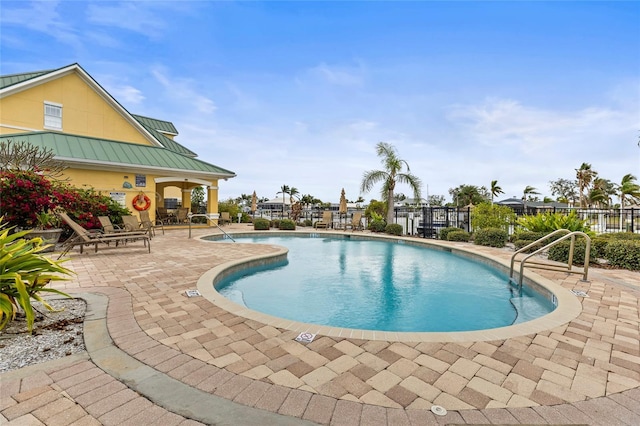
(152, 126)
(108, 152)
(10, 80)
(159, 125)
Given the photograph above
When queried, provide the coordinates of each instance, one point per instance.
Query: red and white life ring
(141, 202)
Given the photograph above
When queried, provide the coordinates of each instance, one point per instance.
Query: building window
(52, 116)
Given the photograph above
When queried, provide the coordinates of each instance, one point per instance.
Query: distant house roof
(80, 150)
(514, 202)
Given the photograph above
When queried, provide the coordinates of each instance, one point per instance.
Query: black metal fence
(428, 221)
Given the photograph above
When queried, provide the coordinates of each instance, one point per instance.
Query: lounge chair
(107, 226)
(326, 220)
(224, 218)
(83, 237)
(147, 223)
(356, 222)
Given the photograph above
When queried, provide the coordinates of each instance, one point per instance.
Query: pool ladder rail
(553, 267)
(216, 225)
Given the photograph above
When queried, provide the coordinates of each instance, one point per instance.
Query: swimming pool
(380, 285)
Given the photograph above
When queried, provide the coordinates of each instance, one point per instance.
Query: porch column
(186, 198)
(212, 203)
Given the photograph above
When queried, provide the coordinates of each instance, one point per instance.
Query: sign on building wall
(119, 197)
(141, 180)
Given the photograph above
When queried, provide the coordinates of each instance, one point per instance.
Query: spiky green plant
(24, 274)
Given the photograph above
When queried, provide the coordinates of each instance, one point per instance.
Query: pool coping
(568, 304)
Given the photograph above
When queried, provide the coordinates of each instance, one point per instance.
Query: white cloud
(127, 94)
(137, 17)
(184, 91)
(42, 17)
(335, 75)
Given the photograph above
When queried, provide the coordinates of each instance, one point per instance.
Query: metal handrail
(571, 235)
(207, 216)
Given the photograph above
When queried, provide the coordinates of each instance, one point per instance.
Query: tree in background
(284, 190)
(601, 193)
(585, 175)
(464, 195)
(197, 198)
(391, 175)
(495, 190)
(628, 190)
(24, 156)
(564, 190)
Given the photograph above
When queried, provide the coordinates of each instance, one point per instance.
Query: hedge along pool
(380, 285)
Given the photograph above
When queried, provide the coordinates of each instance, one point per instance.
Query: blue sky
(299, 93)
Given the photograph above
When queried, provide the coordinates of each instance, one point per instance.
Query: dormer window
(52, 116)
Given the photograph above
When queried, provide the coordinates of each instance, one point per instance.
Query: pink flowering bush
(25, 194)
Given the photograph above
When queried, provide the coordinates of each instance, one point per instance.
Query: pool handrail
(572, 235)
(207, 216)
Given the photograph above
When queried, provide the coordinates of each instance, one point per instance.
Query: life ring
(138, 202)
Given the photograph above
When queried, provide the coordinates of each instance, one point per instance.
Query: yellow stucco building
(104, 146)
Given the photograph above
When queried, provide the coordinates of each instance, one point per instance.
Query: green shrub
(377, 225)
(261, 224)
(518, 244)
(560, 252)
(599, 246)
(287, 225)
(487, 215)
(308, 222)
(275, 223)
(393, 229)
(621, 236)
(24, 273)
(548, 222)
(445, 231)
(459, 235)
(624, 254)
(492, 237)
(528, 235)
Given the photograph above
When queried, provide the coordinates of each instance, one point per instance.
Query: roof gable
(42, 77)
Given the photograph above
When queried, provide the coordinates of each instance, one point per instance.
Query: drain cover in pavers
(305, 337)
(579, 293)
(193, 293)
(438, 410)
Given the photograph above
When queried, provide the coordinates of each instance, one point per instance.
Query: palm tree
(390, 176)
(293, 192)
(628, 188)
(284, 189)
(529, 190)
(495, 189)
(585, 176)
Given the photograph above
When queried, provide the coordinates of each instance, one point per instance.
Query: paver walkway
(584, 372)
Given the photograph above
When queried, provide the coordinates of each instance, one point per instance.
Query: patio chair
(224, 218)
(107, 226)
(163, 217)
(83, 237)
(326, 220)
(147, 223)
(132, 224)
(182, 215)
(356, 222)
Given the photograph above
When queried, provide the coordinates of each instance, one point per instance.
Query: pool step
(528, 308)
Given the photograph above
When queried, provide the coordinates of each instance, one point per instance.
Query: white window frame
(51, 120)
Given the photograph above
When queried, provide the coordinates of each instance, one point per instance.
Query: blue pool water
(378, 285)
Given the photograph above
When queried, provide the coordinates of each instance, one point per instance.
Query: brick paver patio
(586, 371)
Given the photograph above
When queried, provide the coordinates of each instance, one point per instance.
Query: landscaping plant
(24, 274)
